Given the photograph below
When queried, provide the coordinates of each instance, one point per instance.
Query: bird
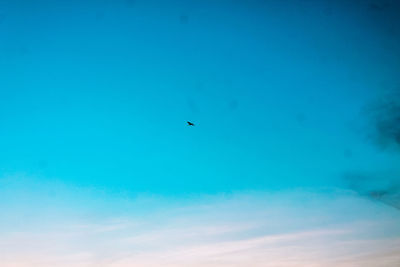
(190, 123)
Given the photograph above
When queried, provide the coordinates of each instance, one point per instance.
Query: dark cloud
(232, 104)
(379, 6)
(348, 153)
(183, 19)
(23, 51)
(300, 117)
(383, 187)
(192, 105)
(130, 3)
(42, 164)
(383, 129)
(99, 15)
(328, 11)
(384, 117)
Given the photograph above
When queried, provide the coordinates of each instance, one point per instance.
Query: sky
(296, 143)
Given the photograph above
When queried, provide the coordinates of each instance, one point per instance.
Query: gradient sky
(99, 168)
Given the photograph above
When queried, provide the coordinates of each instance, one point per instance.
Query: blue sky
(95, 95)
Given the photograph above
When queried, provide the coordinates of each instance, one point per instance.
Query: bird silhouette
(190, 123)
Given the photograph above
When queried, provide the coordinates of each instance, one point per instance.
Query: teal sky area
(98, 93)
(288, 142)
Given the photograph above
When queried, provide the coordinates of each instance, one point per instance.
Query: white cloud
(297, 228)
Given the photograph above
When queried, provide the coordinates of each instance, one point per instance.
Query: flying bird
(190, 123)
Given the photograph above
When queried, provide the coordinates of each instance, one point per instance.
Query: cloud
(292, 228)
(385, 117)
(383, 129)
(380, 186)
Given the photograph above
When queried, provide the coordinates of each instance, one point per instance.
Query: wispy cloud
(297, 228)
